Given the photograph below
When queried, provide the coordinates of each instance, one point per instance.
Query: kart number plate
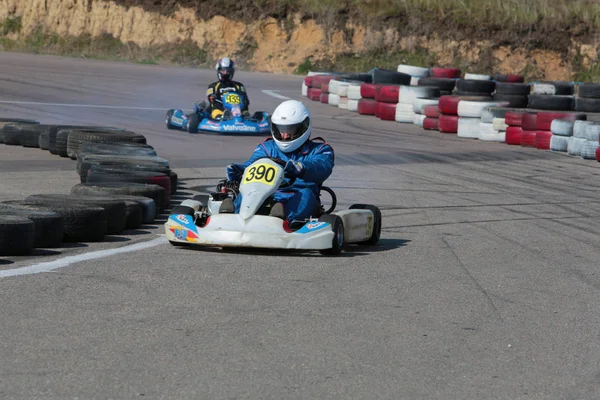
(260, 173)
(233, 98)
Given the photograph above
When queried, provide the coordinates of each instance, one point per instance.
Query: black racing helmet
(225, 69)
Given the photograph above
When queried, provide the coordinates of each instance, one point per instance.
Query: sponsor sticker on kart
(238, 128)
(182, 218)
(314, 225)
(180, 234)
(260, 173)
(176, 120)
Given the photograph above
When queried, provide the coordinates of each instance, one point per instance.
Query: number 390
(260, 173)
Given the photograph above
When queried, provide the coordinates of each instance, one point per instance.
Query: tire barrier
(128, 185)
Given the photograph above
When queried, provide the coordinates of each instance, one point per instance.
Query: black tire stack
(588, 98)
(516, 94)
(555, 96)
(129, 186)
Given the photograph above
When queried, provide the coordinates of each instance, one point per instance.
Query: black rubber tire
(551, 102)
(376, 233)
(589, 91)
(114, 148)
(7, 121)
(470, 94)
(182, 210)
(133, 209)
(101, 173)
(154, 192)
(514, 101)
(143, 163)
(52, 135)
(49, 226)
(193, 122)
(591, 105)
(17, 235)
(475, 86)
(115, 209)
(81, 223)
(43, 141)
(30, 134)
(174, 181)
(444, 84)
(337, 226)
(147, 205)
(357, 76)
(515, 89)
(390, 77)
(77, 137)
(12, 134)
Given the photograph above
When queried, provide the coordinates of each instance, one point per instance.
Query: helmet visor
(285, 133)
(226, 71)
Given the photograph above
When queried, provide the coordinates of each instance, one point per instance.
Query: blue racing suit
(300, 200)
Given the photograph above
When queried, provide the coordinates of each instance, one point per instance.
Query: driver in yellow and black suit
(225, 70)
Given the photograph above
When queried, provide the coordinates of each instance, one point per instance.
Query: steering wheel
(288, 181)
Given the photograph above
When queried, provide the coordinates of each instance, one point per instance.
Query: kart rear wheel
(337, 226)
(193, 122)
(168, 120)
(376, 233)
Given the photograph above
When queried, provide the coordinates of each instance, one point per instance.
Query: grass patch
(11, 25)
(106, 47)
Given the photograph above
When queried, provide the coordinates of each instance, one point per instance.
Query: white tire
(592, 132)
(304, 89)
(334, 99)
(559, 143)
(354, 92)
(352, 105)
(562, 127)
(588, 150)
(468, 127)
(543, 88)
(478, 77)
(574, 146)
(499, 124)
(409, 93)
(418, 120)
(580, 129)
(414, 81)
(405, 113)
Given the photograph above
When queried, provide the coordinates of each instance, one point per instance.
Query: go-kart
(196, 223)
(232, 120)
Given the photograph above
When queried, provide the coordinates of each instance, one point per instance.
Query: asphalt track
(485, 283)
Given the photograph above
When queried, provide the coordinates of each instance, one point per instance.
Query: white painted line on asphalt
(274, 94)
(64, 262)
(37, 103)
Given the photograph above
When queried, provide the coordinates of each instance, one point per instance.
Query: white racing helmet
(290, 125)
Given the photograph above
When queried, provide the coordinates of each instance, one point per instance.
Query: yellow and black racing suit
(215, 92)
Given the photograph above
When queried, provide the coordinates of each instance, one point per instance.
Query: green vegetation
(10, 25)
(106, 47)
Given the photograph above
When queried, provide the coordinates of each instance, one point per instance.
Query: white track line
(64, 262)
(274, 94)
(37, 103)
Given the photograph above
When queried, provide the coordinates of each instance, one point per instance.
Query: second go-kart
(232, 120)
(196, 223)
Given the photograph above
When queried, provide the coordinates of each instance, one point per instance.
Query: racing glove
(235, 172)
(293, 169)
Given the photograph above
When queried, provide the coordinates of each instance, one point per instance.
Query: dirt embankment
(278, 38)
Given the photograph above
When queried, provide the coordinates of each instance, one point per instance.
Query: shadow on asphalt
(6, 262)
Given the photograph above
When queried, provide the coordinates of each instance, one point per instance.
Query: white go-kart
(196, 223)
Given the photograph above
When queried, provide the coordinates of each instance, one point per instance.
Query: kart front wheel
(193, 122)
(337, 226)
(168, 120)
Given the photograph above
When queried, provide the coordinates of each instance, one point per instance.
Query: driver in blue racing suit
(309, 161)
(225, 69)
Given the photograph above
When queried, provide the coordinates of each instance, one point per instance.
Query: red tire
(314, 94)
(528, 138)
(386, 111)
(448, 105)
(318, 80)
(513, 135)
(529, 122)
(308, 81)
(445, 72)
(509, 78)
(367, 106)
(598, 154)
(432, 111)
(448, 123)
(544, 119)
(431, 124)
(514, 118)
(324, 98)
(325, 88)
(368, 90)
(542, 140)
(387, 94)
